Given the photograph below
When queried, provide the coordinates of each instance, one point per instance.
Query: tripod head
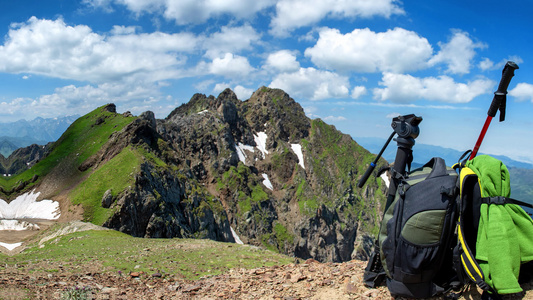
(407, 129)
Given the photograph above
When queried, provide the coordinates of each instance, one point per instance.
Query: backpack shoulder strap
(470, 265)
(467, 257)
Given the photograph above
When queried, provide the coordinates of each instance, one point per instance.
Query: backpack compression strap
(504, 200)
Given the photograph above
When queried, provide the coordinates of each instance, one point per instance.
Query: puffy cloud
(486, 64)
(523, 91)
(282, 61)
(241, 92)
(291, 14)
(457, 53)
(189, 11)
(54, 49)
(312, 84)
(230, 39)
(71, 99)
(358, 91)
(406, 88)
(362, 50)
(230, 66)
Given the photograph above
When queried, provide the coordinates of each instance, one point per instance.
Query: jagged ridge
(219, 163)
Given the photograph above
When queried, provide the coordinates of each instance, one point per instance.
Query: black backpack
(417, 232)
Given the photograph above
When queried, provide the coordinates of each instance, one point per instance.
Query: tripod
(407, 129)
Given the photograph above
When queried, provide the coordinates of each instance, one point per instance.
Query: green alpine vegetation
(215, 168)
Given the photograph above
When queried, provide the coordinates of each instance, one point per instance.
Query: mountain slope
(214, 166)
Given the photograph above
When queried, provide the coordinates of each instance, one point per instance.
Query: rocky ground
(307, 280)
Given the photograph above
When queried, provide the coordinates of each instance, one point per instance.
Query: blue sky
(354, 64)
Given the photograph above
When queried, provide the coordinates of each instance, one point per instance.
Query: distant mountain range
(423, 153)
(39, 131)
(521, 172)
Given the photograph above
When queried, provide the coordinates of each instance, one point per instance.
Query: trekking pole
(498, 103)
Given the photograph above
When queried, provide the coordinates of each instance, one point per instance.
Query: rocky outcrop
(23, 158)
(243, 154)
(160, 205)
(217, 165)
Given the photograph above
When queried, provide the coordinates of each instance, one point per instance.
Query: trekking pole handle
(507, 74)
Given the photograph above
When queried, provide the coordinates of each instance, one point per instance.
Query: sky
(354, 64)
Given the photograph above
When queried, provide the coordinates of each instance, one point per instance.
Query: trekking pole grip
(499, 95)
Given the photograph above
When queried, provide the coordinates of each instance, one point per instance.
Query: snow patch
(26, 206)
(297, 149)
(260, 140)
(240, 151)
(236, 237)
(10, 246)
(385, 178)
(17, 225)
(267, 182)
(203, 112)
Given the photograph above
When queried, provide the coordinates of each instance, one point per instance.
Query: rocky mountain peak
(258, 171)
(276, 108)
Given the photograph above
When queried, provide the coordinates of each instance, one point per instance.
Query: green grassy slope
(91, 251)
(80, 141)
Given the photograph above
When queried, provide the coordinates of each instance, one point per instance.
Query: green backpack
(495, 234)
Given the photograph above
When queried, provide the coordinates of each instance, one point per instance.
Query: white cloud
(406, 88)
(333, 118)
(312, 84)
(230, 39)
(119, 29)
(282, 61)
(523, 91)
(486, 64)
(292, 14)
(242, 92)
(70, 100)
(392, 115)
(230, 66)
(189, 11)
(103, 4)
(457, 53)
(55, 49)
(358, 91)
(362, 50)
(219, 87)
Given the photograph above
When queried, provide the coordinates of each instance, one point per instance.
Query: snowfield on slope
(26, 206)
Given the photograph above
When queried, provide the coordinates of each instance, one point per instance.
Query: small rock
(351, 289)
(108, 290)
(135, 274)
(192, 288)
(107, 199)
(157, 275)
